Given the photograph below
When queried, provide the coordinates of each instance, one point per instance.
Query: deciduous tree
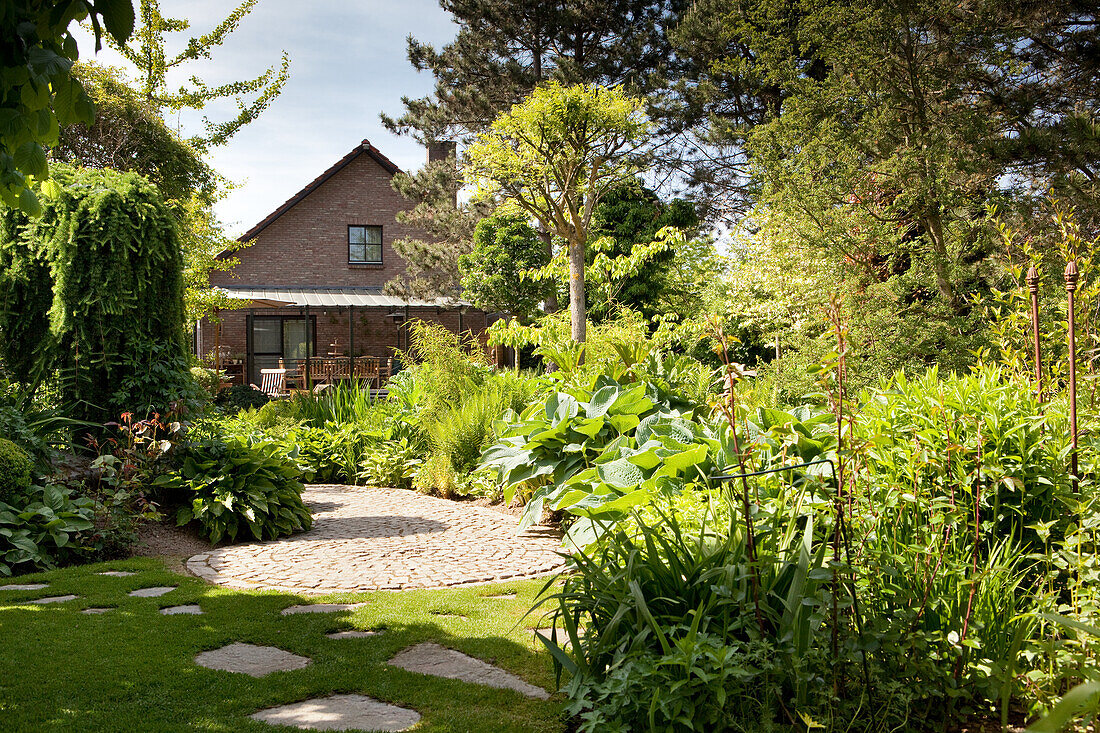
(555, 156)
(494, 275)
(37, 92)
(147, 52)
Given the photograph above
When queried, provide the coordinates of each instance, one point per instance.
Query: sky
(348, 64)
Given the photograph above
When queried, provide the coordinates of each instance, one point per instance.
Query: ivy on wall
(91, 292)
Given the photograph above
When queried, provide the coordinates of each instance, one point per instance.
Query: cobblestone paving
(384, 539)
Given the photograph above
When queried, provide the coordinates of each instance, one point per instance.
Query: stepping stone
(251, 660)
(117, 573)
(352, 634)
(97, 610)
(341, 712)
(155, 591)
(444, 614)
(191, 609)
(503, 596)
(25, 586)
(562, 639)
(54, 599)
(439, 661)
(321, 608)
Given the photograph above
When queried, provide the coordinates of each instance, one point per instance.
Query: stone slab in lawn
(154, 592)
(25, 586)
(250, 659)
(117, 573)
(96, 610)
(190, 609)
(321, 608)
(54, 599)
(341, 712)
(439, 661)
(352, 634)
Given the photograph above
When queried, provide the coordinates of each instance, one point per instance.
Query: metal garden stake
(1071, 287)
(1033, 287)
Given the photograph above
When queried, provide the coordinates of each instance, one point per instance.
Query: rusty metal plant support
(1071, 287)
(1033, 287)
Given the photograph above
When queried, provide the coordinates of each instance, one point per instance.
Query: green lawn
(132, 668)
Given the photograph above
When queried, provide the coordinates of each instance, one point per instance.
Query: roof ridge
(364, 146)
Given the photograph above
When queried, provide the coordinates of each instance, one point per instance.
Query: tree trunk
(577, 311)
(551, 299)
(934, 227)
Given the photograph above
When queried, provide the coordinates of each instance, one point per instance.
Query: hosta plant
(42, 529)
(232, 488)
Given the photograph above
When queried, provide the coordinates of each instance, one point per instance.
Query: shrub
(232, 487)
(92, 290)
(207, 379)
(392, 463)
(42, 529)
(15, 471)
(240, 397)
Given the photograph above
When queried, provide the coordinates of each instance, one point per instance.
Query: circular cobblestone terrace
(384, 539)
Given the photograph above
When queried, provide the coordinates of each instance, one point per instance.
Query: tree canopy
(37, 91)
(555, 156)
(147, 52)
(91, 291)
(494, 275)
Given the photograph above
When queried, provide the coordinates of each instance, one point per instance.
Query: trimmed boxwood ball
(15, 471)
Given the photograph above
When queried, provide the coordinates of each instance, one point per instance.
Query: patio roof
(317, 297)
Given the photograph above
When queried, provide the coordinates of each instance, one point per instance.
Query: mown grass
(133, 668)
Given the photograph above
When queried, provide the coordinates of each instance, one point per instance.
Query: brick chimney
(441, 150)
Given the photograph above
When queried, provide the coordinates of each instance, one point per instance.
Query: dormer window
(364, 245)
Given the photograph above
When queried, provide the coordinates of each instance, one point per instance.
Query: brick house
(315, 271)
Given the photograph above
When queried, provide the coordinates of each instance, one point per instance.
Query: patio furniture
(272, 382)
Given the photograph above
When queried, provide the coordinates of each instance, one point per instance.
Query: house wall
(308, 244)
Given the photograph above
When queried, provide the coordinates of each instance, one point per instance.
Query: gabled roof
(363, 147)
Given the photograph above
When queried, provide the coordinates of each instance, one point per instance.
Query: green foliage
(598, 452)
(38, 428)
(949, 436)
(129, 135)
(92, 289)
(437, 475)
(207, 379)
(147, 51)
(341, 403)
(231, 487)
(672, 609)
(555, 156)
(447, 367)
(240, 397)
(39, 529)
(631, 216)
(15, 471)
(960, 529)
(392, 463)
(505, 248)
(37, 90)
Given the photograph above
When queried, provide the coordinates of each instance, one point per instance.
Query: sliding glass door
(278, 339)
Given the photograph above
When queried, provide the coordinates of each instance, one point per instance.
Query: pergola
(306, 298)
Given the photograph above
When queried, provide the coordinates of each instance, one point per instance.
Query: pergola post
(309, 348)
(351, 342)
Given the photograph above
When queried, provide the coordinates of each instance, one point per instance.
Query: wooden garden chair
(272, 382)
